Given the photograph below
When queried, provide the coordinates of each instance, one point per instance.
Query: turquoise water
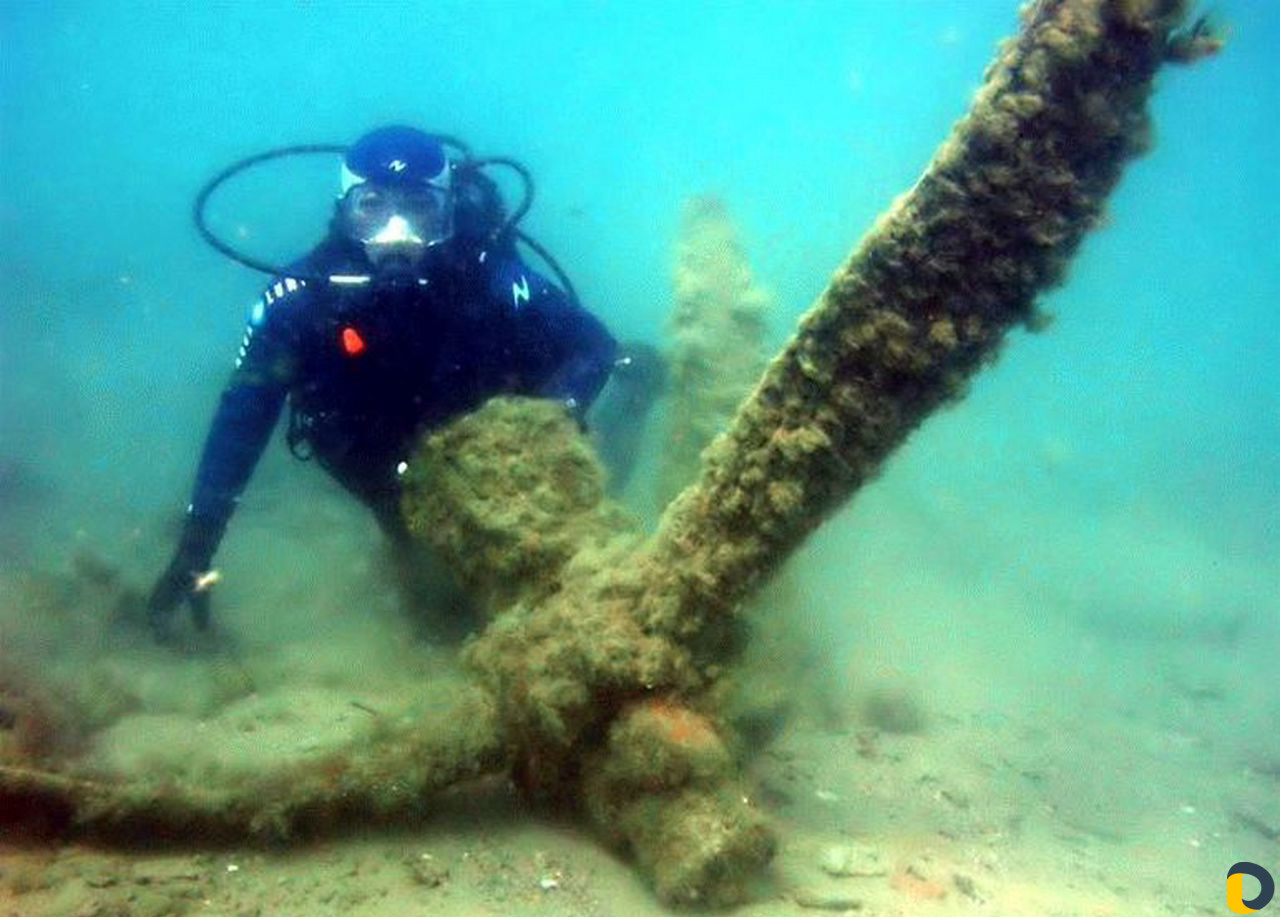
(1102, 511)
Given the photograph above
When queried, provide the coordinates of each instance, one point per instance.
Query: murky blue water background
(1105, 506)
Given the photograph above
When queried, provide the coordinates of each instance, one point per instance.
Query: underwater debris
(203, 582)
(838, 901)
(1203, 38)
(595, 674)
(1267, 830)
(893, 709)
(851, 860)
(37, 726)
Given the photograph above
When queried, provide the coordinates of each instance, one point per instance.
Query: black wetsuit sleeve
(566, 352)
(247, 410)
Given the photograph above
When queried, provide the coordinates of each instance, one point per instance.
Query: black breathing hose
(202, 199)
(467, 162)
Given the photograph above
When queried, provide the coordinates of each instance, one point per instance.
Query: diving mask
(397, 221)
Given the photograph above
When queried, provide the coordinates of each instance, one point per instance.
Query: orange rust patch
(915, 886)
(681, 725)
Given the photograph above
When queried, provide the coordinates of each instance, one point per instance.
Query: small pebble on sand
(851, 860)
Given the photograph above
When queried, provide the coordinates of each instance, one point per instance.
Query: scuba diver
(414, 309)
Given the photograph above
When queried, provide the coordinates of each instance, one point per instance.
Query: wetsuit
(366, 368)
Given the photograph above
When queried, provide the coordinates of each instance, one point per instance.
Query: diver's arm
(247, 413)
(249, 407)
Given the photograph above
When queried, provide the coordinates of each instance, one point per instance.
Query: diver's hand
(186, 579)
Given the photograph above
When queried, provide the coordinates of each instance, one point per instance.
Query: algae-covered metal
(604, 653)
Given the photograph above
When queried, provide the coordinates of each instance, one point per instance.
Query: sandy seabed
(993, 813)
(1055, 768)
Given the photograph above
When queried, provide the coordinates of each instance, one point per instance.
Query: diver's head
(397, 196)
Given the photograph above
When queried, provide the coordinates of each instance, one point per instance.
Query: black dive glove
(187, 577)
